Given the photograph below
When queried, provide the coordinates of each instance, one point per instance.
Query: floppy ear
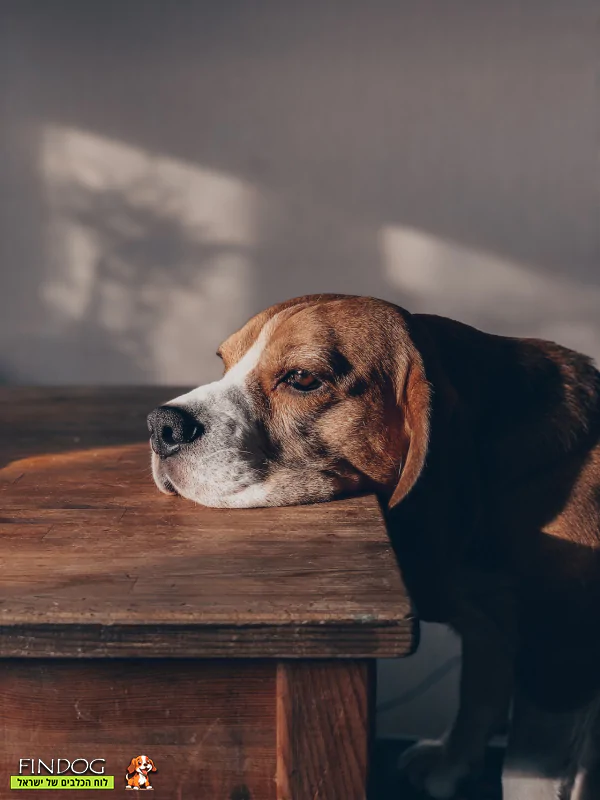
(414, 398)
(153, 767)
(132, 766)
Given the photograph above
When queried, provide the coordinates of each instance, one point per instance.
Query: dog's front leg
(485, 691)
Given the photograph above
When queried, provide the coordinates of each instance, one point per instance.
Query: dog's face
(321, 396)
(141, 764)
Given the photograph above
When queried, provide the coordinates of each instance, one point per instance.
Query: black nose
(170, 427)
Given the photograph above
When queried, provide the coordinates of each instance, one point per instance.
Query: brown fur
(485, 452)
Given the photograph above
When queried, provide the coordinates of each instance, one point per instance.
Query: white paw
(427, 768)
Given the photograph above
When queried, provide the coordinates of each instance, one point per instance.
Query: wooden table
(236, 648)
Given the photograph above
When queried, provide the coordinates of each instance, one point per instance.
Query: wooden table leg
(324, 729)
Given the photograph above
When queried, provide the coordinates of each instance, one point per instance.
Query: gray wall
(170, 168)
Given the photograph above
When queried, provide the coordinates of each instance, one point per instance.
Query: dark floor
(388, 785)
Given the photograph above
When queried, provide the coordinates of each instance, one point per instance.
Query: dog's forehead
(345, 321)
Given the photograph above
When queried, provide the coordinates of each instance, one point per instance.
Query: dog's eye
(302, 381)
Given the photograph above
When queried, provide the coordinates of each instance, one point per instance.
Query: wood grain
(323, 730)
(208, 726)
(96, 562)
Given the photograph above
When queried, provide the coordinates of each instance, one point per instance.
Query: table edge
(393, 640)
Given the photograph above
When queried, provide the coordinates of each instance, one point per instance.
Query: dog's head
(141, 764)
(321, 395)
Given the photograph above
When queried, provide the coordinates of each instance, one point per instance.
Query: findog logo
(137, 775)
(62, 773)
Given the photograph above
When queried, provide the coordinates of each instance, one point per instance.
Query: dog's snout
(171, 427)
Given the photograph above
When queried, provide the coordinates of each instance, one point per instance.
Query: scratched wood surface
(208, 726)
(96, 562)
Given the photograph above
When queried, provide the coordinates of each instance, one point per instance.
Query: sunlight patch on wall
(442, 277)
(150, 258)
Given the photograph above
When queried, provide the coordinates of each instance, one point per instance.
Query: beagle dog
(485, 453)
(136, 776)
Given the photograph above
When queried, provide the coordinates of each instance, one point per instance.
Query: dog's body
(485, 451)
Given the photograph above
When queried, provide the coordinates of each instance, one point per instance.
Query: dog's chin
(261, 494)
(284, 487)
(211, 496)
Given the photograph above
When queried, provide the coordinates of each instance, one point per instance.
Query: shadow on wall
(145, 253)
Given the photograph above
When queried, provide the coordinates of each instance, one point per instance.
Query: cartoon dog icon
(137, 773)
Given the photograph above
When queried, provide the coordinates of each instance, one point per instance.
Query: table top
(95, 562)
